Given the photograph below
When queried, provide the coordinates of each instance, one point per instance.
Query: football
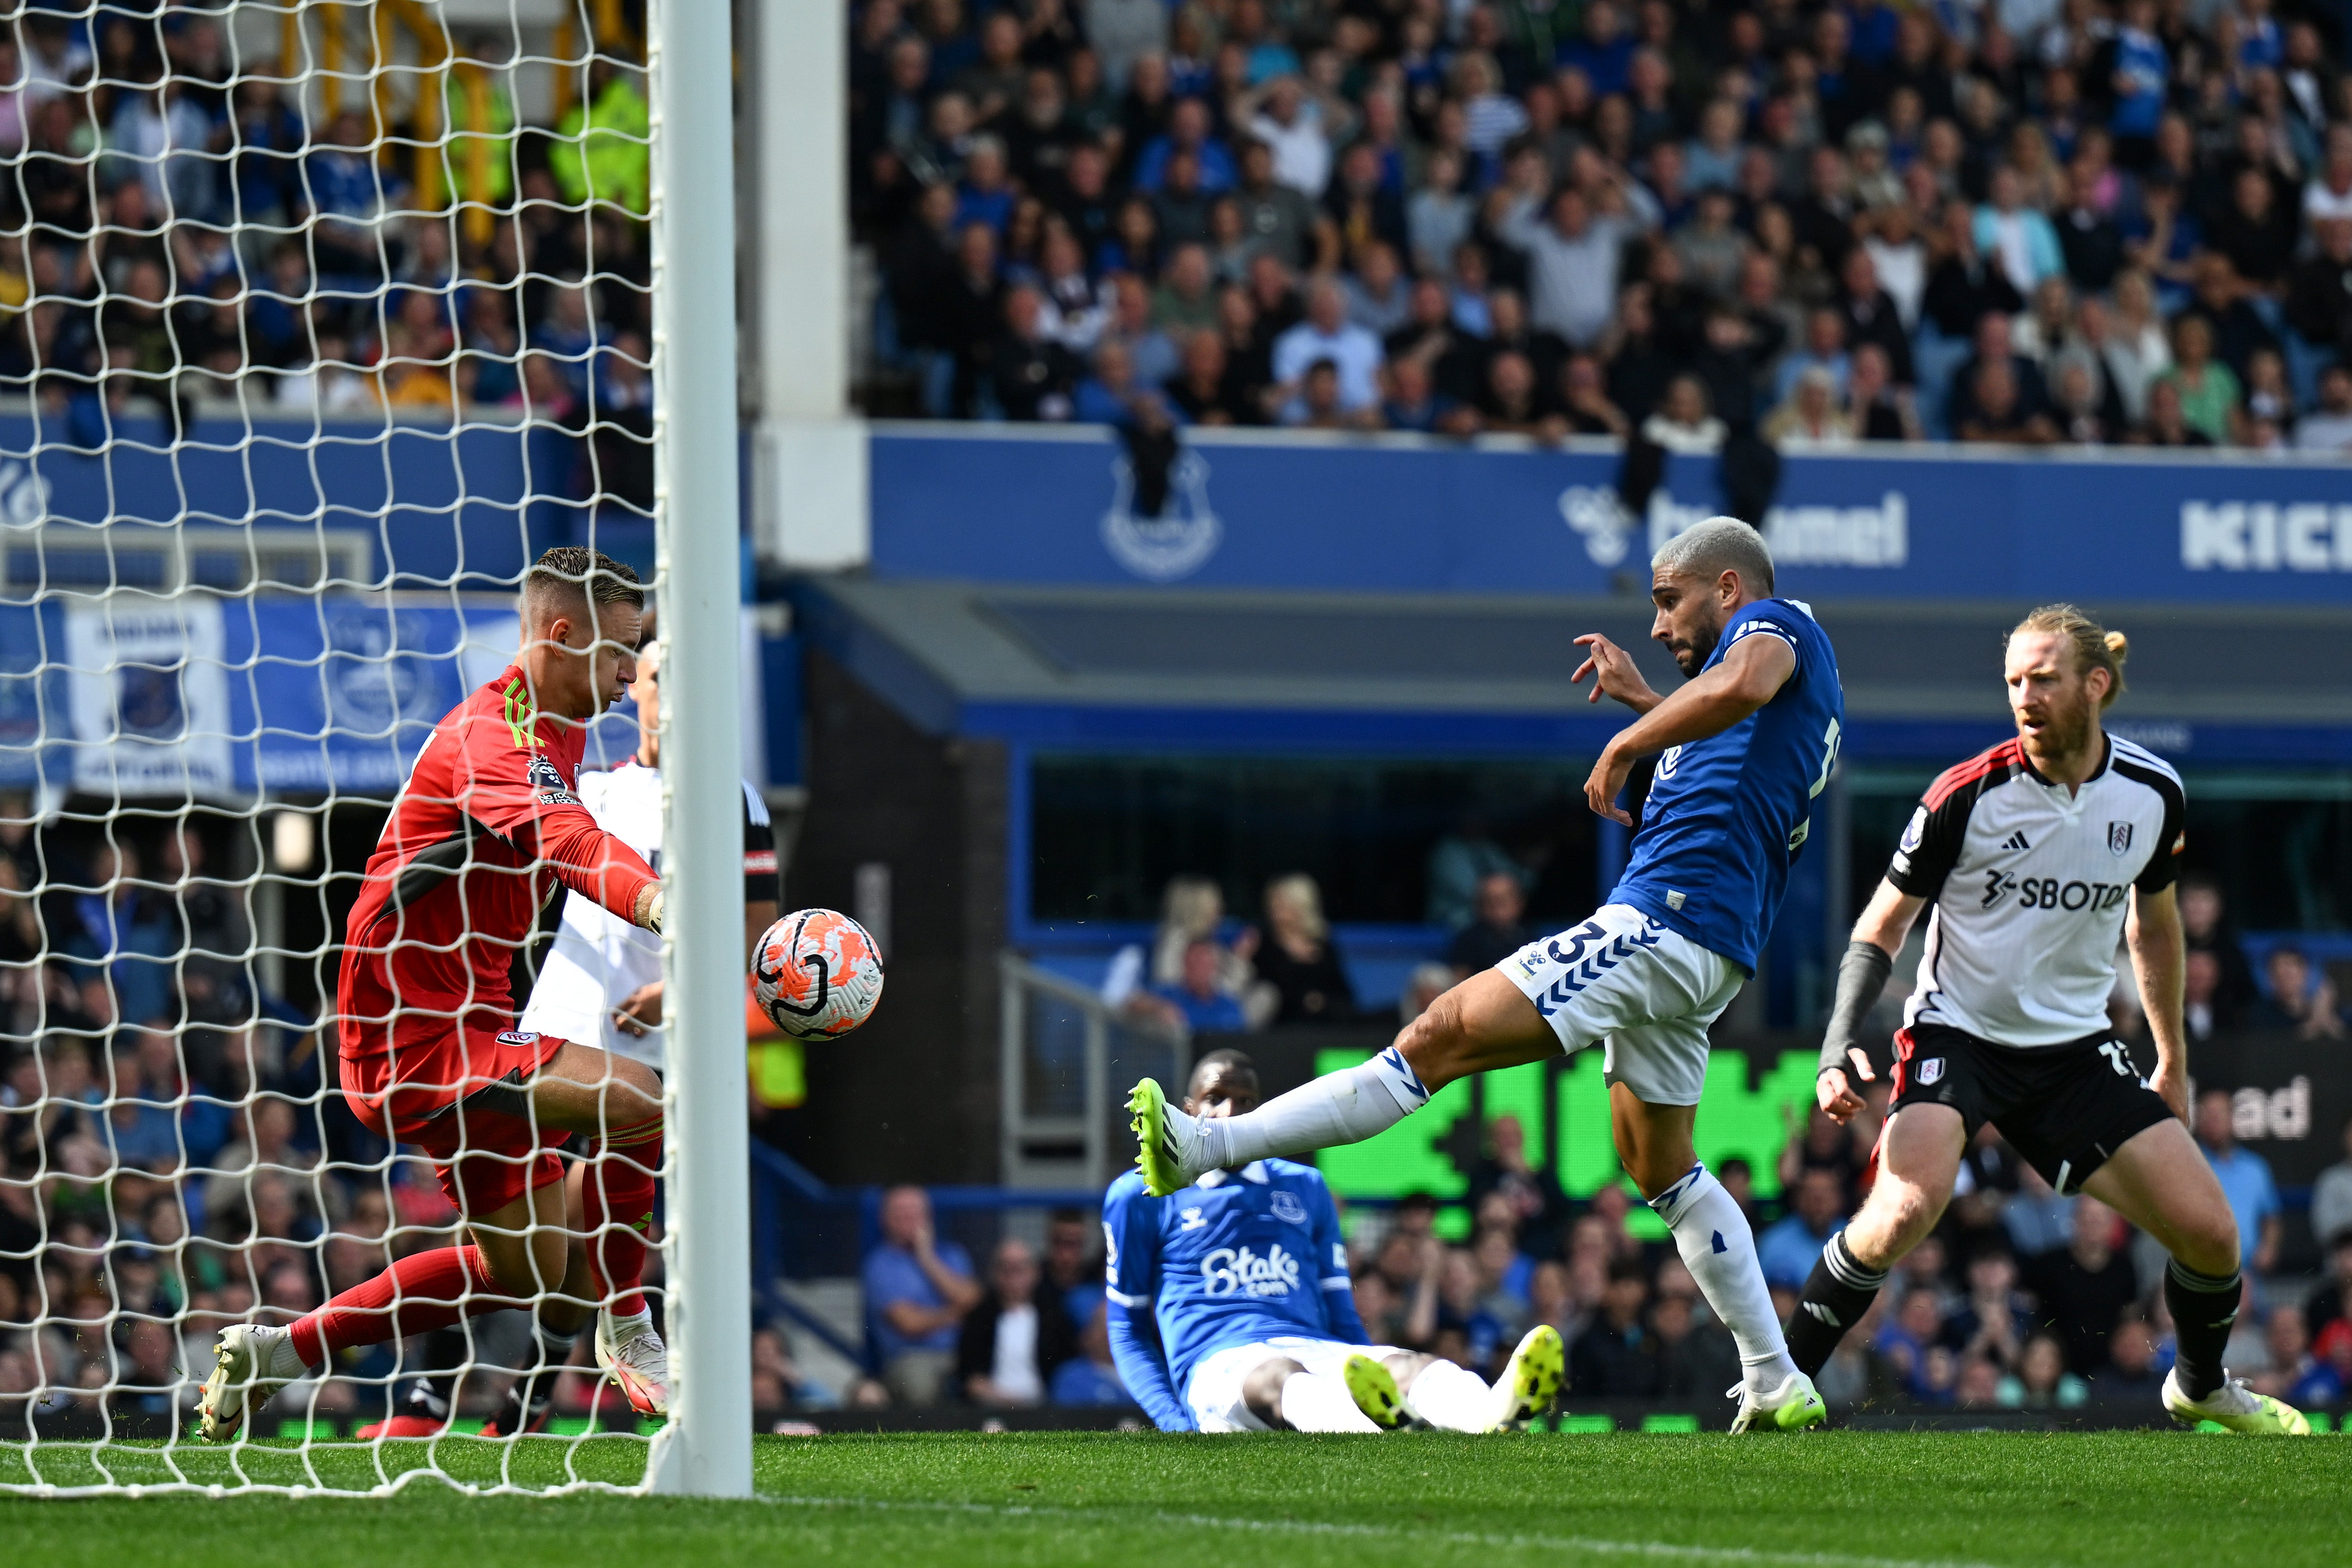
(818, 974)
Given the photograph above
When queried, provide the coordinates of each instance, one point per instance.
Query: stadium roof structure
(1200, 669)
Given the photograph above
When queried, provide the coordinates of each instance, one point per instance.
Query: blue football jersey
(1238, 1257)
(1727, 815)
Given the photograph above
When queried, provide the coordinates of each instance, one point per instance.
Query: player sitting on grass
(1232, 1309)
(484, 832)
(2028, 858)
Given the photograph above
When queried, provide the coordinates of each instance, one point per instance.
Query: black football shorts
(2066, 1109)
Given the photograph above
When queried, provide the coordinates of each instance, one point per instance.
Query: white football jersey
(600, 958)
(2028, 887)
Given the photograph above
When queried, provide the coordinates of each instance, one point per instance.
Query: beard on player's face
(1694, 639)
(2056, 721)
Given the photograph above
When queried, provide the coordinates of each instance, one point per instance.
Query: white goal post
(319, 323)
(706, 1449)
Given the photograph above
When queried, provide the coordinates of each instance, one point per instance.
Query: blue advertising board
(431, 504)
(201, 696)
(1418, 515)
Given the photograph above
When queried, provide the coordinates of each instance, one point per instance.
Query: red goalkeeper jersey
(486, 831)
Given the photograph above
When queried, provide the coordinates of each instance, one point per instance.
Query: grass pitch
(1824, 1500)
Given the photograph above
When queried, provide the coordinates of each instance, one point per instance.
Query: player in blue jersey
(1742, 750)
(1233, 1310)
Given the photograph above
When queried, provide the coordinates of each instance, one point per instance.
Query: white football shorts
(1214, 1394)
(1648, 991)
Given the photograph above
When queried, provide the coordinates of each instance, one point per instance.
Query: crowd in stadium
(178, 224)
(2028, 221)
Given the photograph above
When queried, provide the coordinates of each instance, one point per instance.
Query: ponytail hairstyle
(2095, 647)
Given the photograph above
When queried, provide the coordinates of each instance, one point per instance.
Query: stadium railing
(1067, 1061)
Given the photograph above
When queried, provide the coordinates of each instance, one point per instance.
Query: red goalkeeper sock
(618, 1201)
(428, 1290)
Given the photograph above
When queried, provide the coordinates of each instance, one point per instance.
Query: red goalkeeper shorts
(457, 1091)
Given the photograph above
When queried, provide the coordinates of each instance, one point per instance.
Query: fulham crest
(2119, 835)
(1931, 1069)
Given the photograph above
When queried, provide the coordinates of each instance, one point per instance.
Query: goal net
(318, 323)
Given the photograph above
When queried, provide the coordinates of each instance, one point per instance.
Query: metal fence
(1069, 1059)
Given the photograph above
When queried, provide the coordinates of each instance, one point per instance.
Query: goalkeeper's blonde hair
(2095, 647)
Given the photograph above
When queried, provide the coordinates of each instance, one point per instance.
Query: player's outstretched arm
(1862, 979)
(2160, 956)
(1614, 675)
(1751, 674)
(1142, 1365)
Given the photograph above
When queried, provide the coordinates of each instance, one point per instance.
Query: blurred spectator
(2130, 1375)
(1992, 1319)
(1810, 416)
(1823, 1146)
(2083, 1289)
(1788, 1251)
(1424, 985)
(1295, 955)
(2208, 388)
(2331, 1195)
(1090, 1378)
(1911, 1344)
(1459, 863)
(1497, 932)
(1326, 334)
(1615, 1357)
(2328, 427)
(1074, 1264)
(1572, 258)
(2042, 1381)
(1695, 1354)
(2300, 1000)
(2245, 1178)
(1196, 1002)
(2294, 1374)
(2035, 1218)
(917, 1290)
(2332, 1302)
(1012, 1340)
(1533, 1197)
(2205, 926)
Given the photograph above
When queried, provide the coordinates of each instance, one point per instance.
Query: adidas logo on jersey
(1229, 1271)
(2016, 840)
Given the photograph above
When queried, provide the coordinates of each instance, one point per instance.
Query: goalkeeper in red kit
(485, 831)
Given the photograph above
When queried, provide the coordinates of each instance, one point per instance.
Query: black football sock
(434, 1393)
(532, 1399)
(1837, 1293)
(2203, 1310)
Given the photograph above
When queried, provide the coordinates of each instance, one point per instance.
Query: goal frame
(706, 1448)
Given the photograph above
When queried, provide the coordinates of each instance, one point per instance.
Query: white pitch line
(1656, 1550)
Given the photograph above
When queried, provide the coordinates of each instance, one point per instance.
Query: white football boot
(252, 1364)
(2236, 1406)
(1794, 1405)
(631, 1352)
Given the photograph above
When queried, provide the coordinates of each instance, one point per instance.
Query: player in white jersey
(2033, 858)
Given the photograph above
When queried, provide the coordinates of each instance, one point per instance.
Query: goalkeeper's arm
(1862, 978)
(519, 795)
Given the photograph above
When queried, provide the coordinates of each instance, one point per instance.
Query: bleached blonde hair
(1718, 545)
